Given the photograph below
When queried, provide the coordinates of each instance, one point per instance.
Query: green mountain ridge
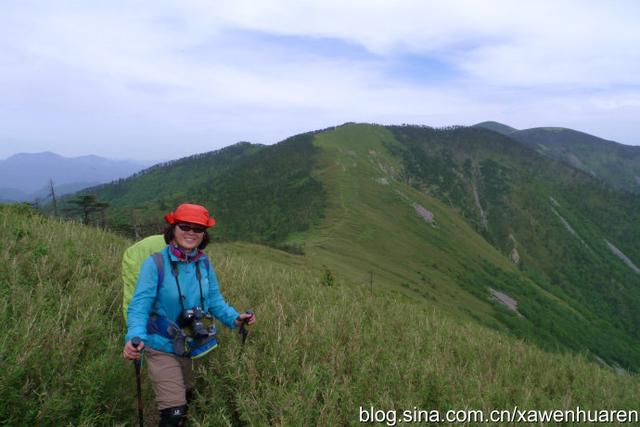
(496, 127)
(465, 218)
(616, 164)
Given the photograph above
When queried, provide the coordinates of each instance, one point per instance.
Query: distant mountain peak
(28, 173)
(562, 135)
(496, 127)
(40, 155)
(91, 157)
(556, 129)
(617, 164)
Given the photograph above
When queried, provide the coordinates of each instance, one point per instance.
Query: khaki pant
(171, 376)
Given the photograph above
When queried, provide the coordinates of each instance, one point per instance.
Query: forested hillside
(558, 225)
(256, 193)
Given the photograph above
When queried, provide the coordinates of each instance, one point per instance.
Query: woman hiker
(172, 309)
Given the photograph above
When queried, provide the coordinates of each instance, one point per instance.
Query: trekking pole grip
(135, 342)
(243, 330)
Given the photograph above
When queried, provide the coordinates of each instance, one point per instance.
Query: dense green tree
(86, 205)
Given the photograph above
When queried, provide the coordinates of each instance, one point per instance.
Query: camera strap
(199, 277)
(174, 271)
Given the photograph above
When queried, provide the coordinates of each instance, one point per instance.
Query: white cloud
(522, 43)
(122, 74)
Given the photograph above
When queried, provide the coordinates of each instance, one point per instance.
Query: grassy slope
(449, 263)
(317, 354)
(373, 227)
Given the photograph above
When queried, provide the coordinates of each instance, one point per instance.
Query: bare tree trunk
(52, 194)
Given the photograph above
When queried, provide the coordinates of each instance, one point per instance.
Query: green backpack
(132, 260)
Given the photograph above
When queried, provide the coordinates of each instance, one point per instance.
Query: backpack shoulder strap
(206, 262)
(158, 258)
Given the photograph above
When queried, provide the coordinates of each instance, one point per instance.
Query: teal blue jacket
(148, 300)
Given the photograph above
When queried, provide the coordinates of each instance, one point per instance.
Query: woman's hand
(132, 353)
(248, 317)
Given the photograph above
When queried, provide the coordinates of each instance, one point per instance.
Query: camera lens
(185, 319)
(199, 329)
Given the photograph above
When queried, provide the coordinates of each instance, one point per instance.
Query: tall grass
(319, 353)
(316, 354)
(62, 331)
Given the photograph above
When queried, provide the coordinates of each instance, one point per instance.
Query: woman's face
(188, 239)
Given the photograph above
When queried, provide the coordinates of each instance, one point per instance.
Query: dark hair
(169, 236)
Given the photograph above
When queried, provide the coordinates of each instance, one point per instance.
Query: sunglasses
(196, 229)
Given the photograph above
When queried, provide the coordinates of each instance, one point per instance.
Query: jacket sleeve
(142, 301)
(217, 305)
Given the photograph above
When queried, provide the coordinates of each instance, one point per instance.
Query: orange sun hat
(194, 214)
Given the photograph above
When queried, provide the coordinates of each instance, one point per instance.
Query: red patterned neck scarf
(182, 255)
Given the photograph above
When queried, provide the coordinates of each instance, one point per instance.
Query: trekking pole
(243, 330)
(135, 342)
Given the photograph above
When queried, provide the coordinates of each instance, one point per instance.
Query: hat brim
(171, 219)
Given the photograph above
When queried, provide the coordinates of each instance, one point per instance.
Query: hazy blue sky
(160, 80)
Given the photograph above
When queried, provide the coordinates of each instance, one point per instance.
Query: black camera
(193, 321)
(198, 333)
